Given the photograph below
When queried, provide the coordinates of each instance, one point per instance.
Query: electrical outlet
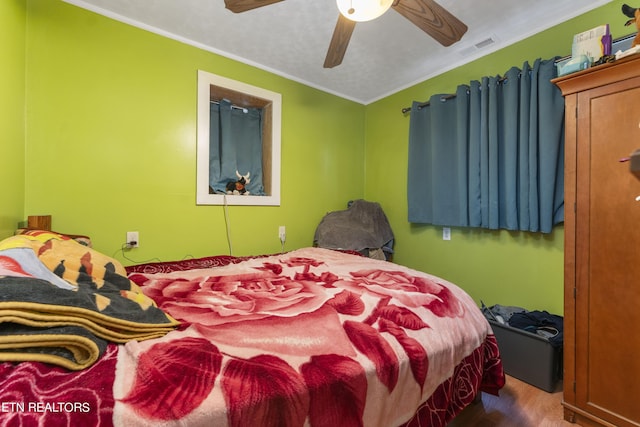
(446, 233)
(282, 233)
(133, 239)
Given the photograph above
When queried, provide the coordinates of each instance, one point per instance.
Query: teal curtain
(235, 144)
(492, 156)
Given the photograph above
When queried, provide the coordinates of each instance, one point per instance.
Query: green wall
(111, 142)
(511, 268)
(110, 147)
(12, 106)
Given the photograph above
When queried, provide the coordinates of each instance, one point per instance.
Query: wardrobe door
(607, 339)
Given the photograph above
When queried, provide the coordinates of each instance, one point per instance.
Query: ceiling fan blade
(433, 19)
(238, 6)
(339, 41)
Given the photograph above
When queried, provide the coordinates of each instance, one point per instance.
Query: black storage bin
(528, 357)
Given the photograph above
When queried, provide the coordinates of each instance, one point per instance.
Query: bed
(313, 337)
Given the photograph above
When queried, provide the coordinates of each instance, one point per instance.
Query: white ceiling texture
(290, 38)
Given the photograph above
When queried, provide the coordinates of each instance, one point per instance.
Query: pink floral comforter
(311, 337)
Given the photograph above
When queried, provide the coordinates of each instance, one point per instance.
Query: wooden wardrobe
(602, 245)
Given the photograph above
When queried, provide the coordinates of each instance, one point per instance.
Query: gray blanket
(362, 226)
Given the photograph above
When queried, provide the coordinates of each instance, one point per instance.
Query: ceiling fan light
(363, 10)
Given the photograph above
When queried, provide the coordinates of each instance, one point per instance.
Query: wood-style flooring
(519, 405)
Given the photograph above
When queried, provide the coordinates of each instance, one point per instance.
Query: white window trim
(205, 81)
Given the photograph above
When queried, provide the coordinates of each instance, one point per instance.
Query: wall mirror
(238, 139)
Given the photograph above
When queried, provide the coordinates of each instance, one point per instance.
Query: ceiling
(290, 38)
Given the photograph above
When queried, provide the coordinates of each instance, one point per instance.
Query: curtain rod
(426, 104)
(233, 106)
(451, 96)
(557, 60)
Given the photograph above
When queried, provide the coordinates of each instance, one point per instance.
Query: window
(492, 155)
(216, 93)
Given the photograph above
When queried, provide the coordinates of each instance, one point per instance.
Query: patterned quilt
(311, 337)
(62, 302)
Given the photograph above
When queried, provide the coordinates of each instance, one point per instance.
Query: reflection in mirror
(238, 157)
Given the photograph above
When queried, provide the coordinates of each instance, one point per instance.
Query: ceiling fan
(427, 15)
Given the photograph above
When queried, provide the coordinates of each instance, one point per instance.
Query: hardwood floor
(519, 405)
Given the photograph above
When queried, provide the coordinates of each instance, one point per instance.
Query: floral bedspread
(311, 337)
